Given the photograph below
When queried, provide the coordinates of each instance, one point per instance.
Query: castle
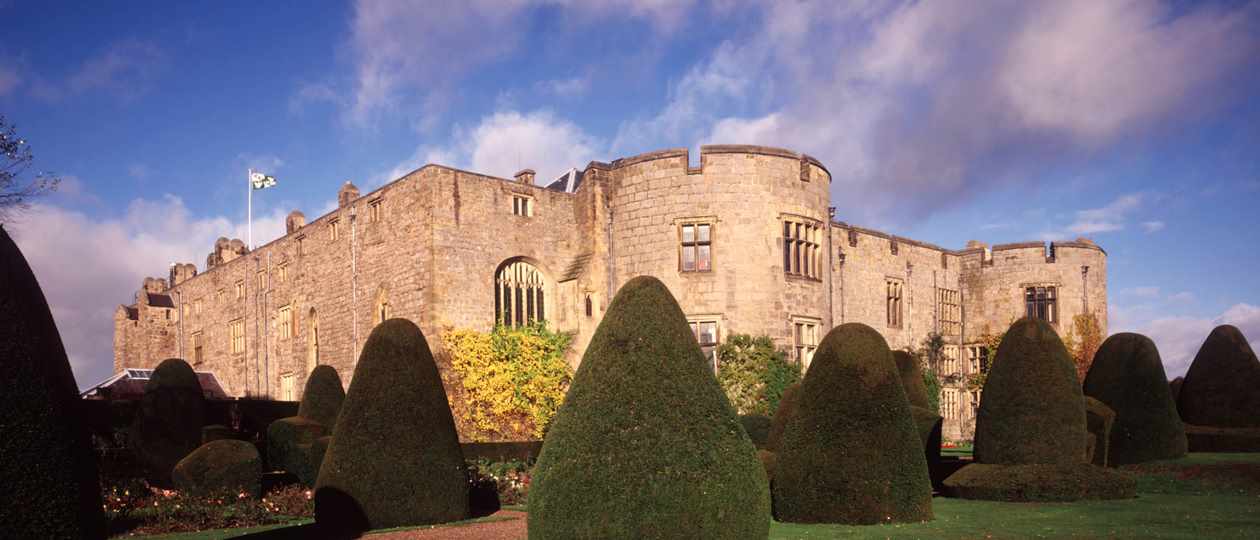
(746, 242)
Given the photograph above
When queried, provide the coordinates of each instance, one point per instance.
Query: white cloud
(566, 88)
(1142, 292)
(1152, 226)
(313, 93)
(505, 142)
(1181, 297)
(1109, 218)
(125, 68)
(1179, 338)
(88, 266)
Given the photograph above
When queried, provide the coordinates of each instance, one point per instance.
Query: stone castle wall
(427, 247)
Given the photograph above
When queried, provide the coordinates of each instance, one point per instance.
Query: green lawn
(1203, 496)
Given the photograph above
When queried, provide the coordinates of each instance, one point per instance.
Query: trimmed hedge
(757, 427)
(289, 447)
(1099, 419)
(1222, 386)
(168, 423)
(1128, 376)
(1063, 482)
(394, 459)
(854, 459)
(787, 408)
(1174, 387)
(47, 469)
(322, 397)
(928, 424)
(646, 444)
(222, 467)
(1218, 439)
(1032, 410)
(216, 432)
(912, 379)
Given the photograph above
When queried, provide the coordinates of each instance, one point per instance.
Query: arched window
(312, 341)
(518, 294)
(590, 310)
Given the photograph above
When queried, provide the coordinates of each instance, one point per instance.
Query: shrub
(1083, 339)
(1099, 419)
(1174, 387)
(289, 443)
(1032, 409)
(47, 468)
(322, 397)
(783, 414)
(928, 424)
(754, 374)
(512, 380)
(167, 425)
(1220, 389)
(857, 459)
(768, 462)
(1218, 439)
(394, 459)
(1128, 376)
(757, 427)
(1060, 482)
(216, 432)
(912, 379)
(646, 444)
(511, 479)
(220, 467)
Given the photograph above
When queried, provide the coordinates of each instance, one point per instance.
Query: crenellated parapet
(225, 251)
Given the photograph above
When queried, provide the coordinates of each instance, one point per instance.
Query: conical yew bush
(1222, 386)
(852, 452)
(1128, 376)
(168, 423)
(646, 444)
(912, 379)
(322, 397)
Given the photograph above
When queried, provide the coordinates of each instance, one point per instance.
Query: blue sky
(1132, 123)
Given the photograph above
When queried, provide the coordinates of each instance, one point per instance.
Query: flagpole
(249, 179)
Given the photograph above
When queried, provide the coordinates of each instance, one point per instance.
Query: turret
(296, 220)
(347, 194)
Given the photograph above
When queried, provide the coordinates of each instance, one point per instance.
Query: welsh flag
(261, 181)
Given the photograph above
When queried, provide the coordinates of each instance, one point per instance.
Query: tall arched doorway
(519, 294)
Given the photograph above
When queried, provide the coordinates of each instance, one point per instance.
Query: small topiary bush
(1032, 410)
(289, 443)
(1099, 419)
(928, 424)
(1061, 482)
(394, 459)
(787, 408)
(1222, 386)
(322, 397)
(757, 427)
(854, 459)
(168, 423)
(225, 467)
(47, 470)
(912, 379)
(1128, 376)
(646, 444)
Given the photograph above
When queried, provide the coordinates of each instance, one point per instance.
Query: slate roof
(161, 300)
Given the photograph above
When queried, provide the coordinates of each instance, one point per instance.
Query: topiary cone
(787, 408)
(852, 452)
(1032, 410)
(394, 459)
(322, 397)
(646, 444)
(168, 422)
(47, 468)
(912, 379)
(1128, 376)
(1222, 386)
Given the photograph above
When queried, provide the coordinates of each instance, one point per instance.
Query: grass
(220, 534)
(961, 450)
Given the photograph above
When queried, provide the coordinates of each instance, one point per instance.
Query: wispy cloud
(125, 69)
(1152, 226)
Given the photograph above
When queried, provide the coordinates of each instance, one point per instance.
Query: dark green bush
(289, 443)
(852, 452)
(757, 427)
(1099, 419)
(395, 458)
(1222, 386)
(167, 425)
(1031, 410)
(1128, 376)
(216, 432)
(226, 467)
(646, 444)
(928, 424)
(1174, 387)
(47, 470)
(318, 449)
(787, 408)
(1062, 482)
(321, 400)
(912, 379)
(1218, 439)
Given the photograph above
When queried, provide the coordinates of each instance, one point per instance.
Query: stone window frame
(1051, 302)
(801, 234)
(240, 289)
(697, 323)
(804, 330)
(301, 244)
(949, 403)
(197, 306)
(288, 386)
(219, 295)
(894, 301)
(695, 221)
(522, 204)
(977, 357)
(262, 280)
(949, 311)
(285, 321)
(951, 359)
(376, 210)
(236, 336)
(521, 293)
(334, 229)
(198, 346)
(282, 272)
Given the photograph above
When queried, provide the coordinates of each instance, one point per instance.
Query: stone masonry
(434, 247)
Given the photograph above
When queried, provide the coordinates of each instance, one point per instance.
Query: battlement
(684, 156)
(982, 256)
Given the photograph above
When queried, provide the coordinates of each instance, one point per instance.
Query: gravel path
(505, 524)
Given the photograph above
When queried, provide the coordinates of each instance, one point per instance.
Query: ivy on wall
(754, 374)
(513, 380)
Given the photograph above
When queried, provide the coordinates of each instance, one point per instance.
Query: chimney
(347, 194)
(525, 176)
(295, 221)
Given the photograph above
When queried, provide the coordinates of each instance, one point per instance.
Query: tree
(1082, 342)
(754, 374)
(15, 191)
